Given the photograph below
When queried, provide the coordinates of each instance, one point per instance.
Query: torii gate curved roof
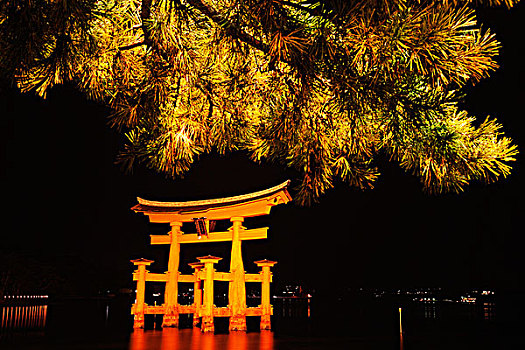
(246, 205)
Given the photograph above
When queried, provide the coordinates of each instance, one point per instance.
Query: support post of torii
(237, 287)
(266, 278)
(138, 319)
(171, 316)
(197, 292)
(207, 325)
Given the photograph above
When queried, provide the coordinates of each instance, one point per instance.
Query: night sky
(68, 204)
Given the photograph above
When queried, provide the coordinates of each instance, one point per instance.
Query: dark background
(67, 205)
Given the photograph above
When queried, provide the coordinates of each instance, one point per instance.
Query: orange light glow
(193, 339)
(23, 317)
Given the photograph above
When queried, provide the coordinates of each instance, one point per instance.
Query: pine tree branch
(145, 12)
(311, 11)
(230, 29)
(238, 33)
(132, 46)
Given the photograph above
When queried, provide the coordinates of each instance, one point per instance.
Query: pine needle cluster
(322, 86)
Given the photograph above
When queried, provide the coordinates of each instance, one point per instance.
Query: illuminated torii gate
(202, 212)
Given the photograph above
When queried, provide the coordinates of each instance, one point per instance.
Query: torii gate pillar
(171, 316)
(207, 325)
(138, 320)
(237, 287)
(266, 278)
(197, 292)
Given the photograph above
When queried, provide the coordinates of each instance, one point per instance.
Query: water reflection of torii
(187, 339)
(202, 212)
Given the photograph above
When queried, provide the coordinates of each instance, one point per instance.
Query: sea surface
(330, 323)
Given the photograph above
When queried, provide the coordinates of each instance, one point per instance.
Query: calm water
(363, 324)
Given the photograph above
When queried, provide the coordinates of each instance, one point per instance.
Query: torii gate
(233, 208)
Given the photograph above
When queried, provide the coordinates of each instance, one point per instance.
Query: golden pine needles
(322, 87)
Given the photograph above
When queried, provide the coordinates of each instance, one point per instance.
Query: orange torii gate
(202, 212)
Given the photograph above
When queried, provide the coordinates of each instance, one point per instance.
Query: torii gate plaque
(233, 208)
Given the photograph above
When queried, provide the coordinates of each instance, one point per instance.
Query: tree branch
(311, 11)
(145, 12)
(132, 46)
(230, 29)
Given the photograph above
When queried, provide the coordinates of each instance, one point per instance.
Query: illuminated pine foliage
(321, 86)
